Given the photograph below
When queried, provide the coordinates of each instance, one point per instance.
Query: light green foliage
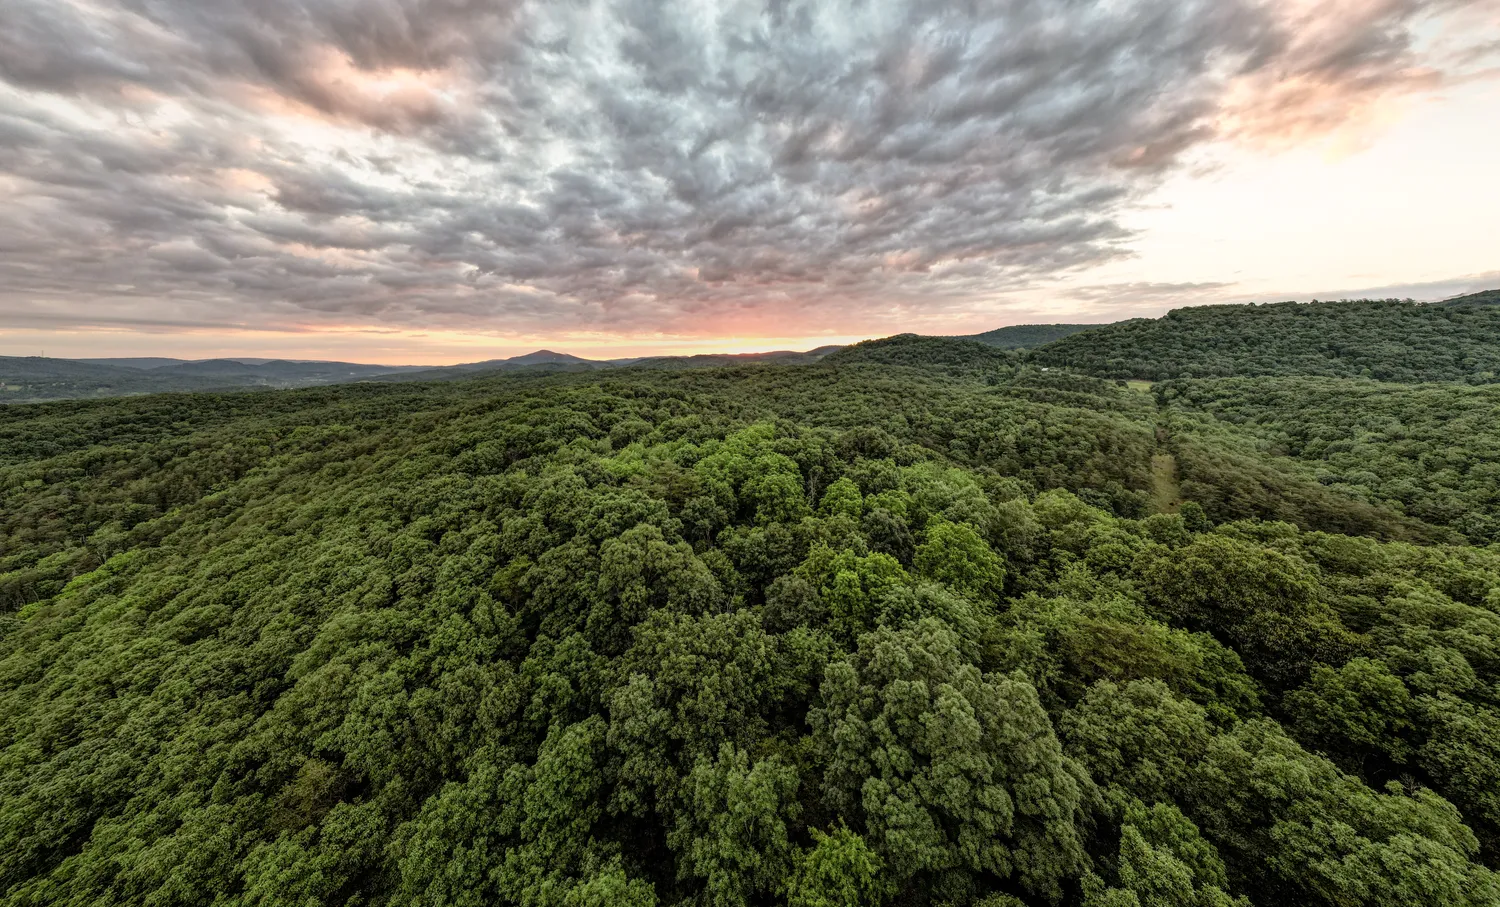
(838, 871)
(609, 887)
(937, 493)
(850, 587)
(777, 496)
(1163, 862)
(734, 831)
(955, 555)
(949, 768)
(640, 571)
(842, 497)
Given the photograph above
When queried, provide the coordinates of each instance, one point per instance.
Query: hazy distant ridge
(1456, 339)
(26, 379)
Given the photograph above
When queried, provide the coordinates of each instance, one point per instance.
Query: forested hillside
(27, 379)
(34, 379)
(949, 355)
(1387, 340)
(921, 624)
(1483, 297)
(1026, 336)
(1428, 450)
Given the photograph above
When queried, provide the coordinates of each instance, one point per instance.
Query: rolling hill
(32, 379)
(1387, 340)
(1484, 297)
(720, 360)
(139, 362)
(1028, 336)
(25, 379)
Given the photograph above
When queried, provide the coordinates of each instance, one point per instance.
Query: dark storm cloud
(621, 166)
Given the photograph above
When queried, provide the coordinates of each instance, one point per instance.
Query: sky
(433, 181)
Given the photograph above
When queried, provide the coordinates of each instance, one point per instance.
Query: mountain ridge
(1376, 338)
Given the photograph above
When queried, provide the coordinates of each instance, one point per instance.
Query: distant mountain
(550, 360)
(213, 367)
(544, 360)
(143, 362)
(154, 362)
(32, 378)
(540, 358)
(26, 379)
(548, 357)
(721, 360)
(282, 372)
(1027, 336)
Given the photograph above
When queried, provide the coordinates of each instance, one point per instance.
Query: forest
(926, 622)
(1386, 340)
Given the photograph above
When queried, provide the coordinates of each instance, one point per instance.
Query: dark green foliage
(1027, 336)
(1483, 297)
(1387, 340)
(857, 633)
(1431, 451)
(1263, 602)
(1288, 824)
(950, 354)
(1230, 474)
(1163, 861)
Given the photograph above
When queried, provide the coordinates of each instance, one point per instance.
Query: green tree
(1356, 709)
(733, 831)
(948, 768)
(840, 870)
(842, 497)
(955, 555)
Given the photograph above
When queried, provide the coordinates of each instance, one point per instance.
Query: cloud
(1336, 64)
(1426, 291)
(630, 167)
(1125, 300)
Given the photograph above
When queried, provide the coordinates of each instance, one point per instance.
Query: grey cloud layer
(617, 166)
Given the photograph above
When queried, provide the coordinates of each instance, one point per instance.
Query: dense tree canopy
(1428, 450)
(867, 632)
(1387, 340)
